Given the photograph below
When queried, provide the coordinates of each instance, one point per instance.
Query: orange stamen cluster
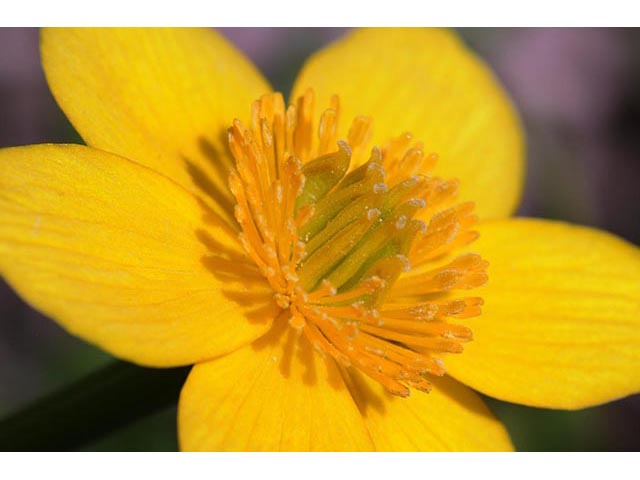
(346, 248)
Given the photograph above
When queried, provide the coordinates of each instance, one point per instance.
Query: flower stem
(92, 407)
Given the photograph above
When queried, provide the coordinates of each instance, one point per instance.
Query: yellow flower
(321, 294)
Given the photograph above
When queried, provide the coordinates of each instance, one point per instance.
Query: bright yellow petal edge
(124, 257)
(427, 82)
(560, 327)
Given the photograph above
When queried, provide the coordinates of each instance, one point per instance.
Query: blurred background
(578, 92)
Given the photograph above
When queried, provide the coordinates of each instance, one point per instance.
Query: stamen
(328, 128)
(303, 132)
(360, 132)
(465, 272)
(345, 247)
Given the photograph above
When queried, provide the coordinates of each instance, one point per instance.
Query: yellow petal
(560, 327)
(449, 418)
(427, 82)
(276, 394)
(123, 257)
(162, 97)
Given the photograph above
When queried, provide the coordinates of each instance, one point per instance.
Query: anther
(336, 243)
(380, 188)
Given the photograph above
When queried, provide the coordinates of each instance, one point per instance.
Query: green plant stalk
(92, 407)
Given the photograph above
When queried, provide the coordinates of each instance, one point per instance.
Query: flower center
(358, 250)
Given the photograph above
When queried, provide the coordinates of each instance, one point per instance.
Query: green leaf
(92, 407)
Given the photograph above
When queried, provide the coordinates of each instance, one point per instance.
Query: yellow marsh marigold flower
(317, 263)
